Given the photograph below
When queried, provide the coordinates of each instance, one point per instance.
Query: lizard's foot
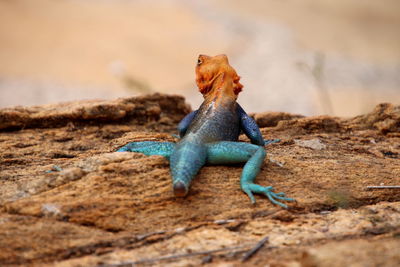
(250, 188)
(235, 152)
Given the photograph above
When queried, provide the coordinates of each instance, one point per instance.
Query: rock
(358, 251)
(322, 124)
(271, 119)
(385, 118)
(68, 199)
(313, 143)
(137, 109)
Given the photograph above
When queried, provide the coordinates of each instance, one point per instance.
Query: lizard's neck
(222, 90)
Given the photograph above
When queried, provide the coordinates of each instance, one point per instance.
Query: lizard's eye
(199, 61)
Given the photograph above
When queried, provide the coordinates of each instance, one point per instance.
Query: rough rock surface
(66, 199)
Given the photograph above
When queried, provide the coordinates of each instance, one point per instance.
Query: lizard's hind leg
(150, 148)
(226, 152)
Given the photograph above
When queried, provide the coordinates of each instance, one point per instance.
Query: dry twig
(383, 187)
(256, 248)
(236, 249)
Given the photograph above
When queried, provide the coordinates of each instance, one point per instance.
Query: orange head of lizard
(214, 73)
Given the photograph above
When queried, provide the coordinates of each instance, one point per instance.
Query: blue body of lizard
(209, 135)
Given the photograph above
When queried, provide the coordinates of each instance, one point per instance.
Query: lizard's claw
(251, 188)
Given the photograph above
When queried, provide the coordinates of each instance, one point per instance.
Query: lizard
(210, 134)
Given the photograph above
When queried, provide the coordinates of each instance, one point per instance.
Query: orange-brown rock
(67, 199)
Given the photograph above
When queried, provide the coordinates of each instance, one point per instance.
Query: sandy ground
(325, 57)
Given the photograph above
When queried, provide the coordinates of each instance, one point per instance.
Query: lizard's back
(215, 121)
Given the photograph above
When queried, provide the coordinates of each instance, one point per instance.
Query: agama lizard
(210, 134)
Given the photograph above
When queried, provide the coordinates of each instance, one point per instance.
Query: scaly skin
(210, 134)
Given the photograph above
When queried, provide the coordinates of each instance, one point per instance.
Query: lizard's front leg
(249, 126)
(226, 152)
(185, 123)
(150, 148)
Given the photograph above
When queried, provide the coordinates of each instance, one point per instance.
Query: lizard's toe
(250, 188)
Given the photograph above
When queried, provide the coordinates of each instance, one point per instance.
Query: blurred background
(338, 57)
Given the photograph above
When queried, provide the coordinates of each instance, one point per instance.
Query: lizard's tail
(186, 161)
